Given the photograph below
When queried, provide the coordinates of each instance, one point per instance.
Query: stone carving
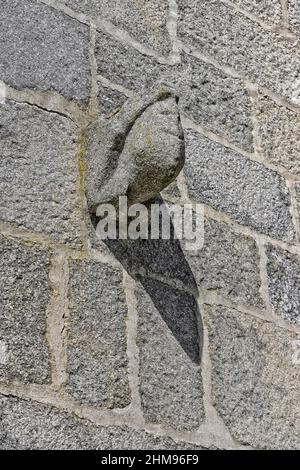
(138, 152)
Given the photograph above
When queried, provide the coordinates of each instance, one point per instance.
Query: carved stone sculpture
(138, 152)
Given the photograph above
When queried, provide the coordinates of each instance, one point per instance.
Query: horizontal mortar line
(114, 86)
(222, 217)
(126, 39)
(107, 27)
(48, 101)
(205, 438)
(244, 230)
(279, 29)
(45, 395)
(13, 231)
(220, 139)
(173, 283)
(192, 51)
(106, 258)
(213, 298)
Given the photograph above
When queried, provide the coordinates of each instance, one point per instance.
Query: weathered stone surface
(268, 10)
(207, 95)
(26, 425)
(163, 257)
(279, 133)
(294, 15)
(228, 264)
(23, 302)
(145, 21)
(284, 283)
(171, 192)
(97, 359)
(110, 101)
(254, 382)
(138, 152)
(234, 40)
(38, 181)
(43, 49)
(218, 102)
(250, 193)
(170, 350)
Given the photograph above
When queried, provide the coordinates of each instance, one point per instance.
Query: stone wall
(140, 345)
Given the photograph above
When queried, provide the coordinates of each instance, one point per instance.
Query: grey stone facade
(144, 344)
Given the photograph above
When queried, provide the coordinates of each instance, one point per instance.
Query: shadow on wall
(150, 262)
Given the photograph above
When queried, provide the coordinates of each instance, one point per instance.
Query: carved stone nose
(138, 153)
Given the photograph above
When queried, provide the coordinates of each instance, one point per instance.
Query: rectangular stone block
(213, 99)
(255, 384)
(170, 345)
(247, 191)
(97, 342)
(208, 96)
(284, 283)
(43, 49)
(294, 15)
(38, 172)
(144, 20)
(27, 425)
(24, 297)
(233, 40)
(279, 135)
(228, 264)
(269, 11)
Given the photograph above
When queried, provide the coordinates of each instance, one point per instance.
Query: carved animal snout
(138, 152)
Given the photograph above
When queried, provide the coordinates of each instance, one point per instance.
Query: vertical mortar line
(264, 289)
(172, 21)
(132, 349)
(285, 13)
(294, 208)
(57, 312)
(254, 100)
(93, 104)
(183, 188)
(84, 213)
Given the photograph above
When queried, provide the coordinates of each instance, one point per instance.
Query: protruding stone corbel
(138, 152)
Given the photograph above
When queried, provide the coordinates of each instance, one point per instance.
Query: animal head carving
(138, 152)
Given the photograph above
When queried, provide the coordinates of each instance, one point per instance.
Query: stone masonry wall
(141, 345)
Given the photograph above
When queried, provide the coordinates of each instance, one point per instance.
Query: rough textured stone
(137, 153)
(25, 425)
(97, 360)
(163, 257)
(38, 171)
(279, 133)
(251, 194)
(43, 49)
(268, 10)
(145, 20)
(170, 351)
(284, 283)
(23, 302)
(254, 382)
(110, 101)
(207, 95)
(228, 264)
(294, 15)
(234, 40)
